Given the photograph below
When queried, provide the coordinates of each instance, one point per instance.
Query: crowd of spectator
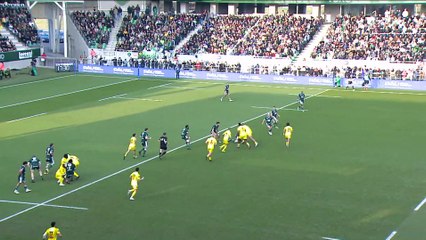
(95, 27)
(17, 19)
(219, 34)
(394, 36)
(279, 36)
(6, 45)
(141, 32)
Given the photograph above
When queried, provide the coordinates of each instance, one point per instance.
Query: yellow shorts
(134, 185)
(132, 147)
(287, 136)
(225, 142)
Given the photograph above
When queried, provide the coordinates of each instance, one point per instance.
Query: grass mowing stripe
(134, 165)
(65, 94)
(19, 119)
(37, 81)
(45, 205)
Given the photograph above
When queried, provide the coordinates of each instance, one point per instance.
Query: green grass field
(354, 170)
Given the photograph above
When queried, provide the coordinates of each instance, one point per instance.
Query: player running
(185, 136)
(288, 130)
(225, 140)
(211, 142)
(144, 141)
(215, 130)
(163, 145)
(275, 115)
(132, 146)
(135, 177)
(268, 121)
(35, 164)
(301, 98)
(49, 158)
(226, 93)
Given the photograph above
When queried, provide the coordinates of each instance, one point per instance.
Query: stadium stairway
(186, 39)
(306, 53)
(15, 41)
(113, 35)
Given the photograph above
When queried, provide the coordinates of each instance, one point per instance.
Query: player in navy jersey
(163, 145)
(301, 97)
(21, 178)
(275, 116)
(49, 158)
(226, 93)
(144, 141)
(215, 130)
(35, 165)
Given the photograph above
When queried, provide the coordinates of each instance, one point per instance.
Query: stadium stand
(141, 32)
(279, 36)
(394, 37)
(94, 26)
(6, 45)
(17, 19)
(219, 34)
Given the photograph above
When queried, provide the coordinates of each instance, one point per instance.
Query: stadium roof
(313, 1)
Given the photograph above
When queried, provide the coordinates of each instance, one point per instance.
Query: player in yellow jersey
(225, 141)
(76, 162)
(242, 136)
(132, 147)
(288, 130)
(60, 173)
(249, 133)
(52, 233)
(211, 142)
(135, 177)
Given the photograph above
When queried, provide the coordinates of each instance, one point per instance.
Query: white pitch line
(159, 86)
(329, 238)
(65, 94)
(132, 166)
(420, 205)
(20, 119)
(140, 99)
(36, 81)
(45, 205)
(391, 235)
(103, 99)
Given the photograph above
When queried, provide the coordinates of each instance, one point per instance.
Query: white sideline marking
(36, 81)
(159, 86)
(132, 166)
(45, 205)
(391, 235)
(32, 116)
(65, 94)
(329, 238)
(103, 99)
(140, 99)
(420, 205)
